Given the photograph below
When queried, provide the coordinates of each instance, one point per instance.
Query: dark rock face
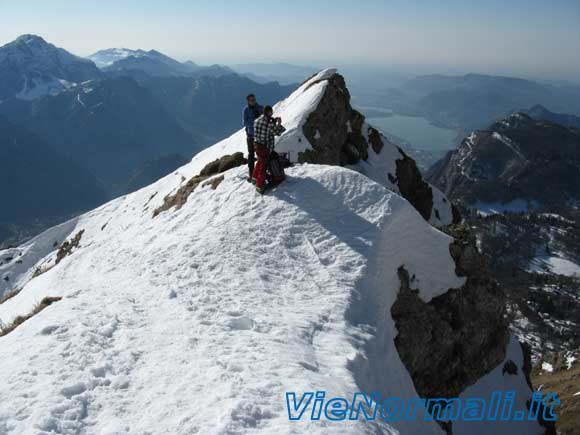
(335, 131)
(456, 338)
(329, 120)
(375, 140)
(412, 186)
(336, 122)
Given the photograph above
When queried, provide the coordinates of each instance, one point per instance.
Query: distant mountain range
(38, 182)
(111, 127)
(469, 102)
(151, 63)
(515, 158)
(541, 113)
(121, 125)
(211, 107)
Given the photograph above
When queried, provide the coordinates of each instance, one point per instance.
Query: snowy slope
(199, 320)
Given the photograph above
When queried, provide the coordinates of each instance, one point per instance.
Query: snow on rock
(199, 320)
(501, 380)
(103, 58)
(547, 367)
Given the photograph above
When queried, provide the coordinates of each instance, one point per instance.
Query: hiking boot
(261, 190)
(251, 180)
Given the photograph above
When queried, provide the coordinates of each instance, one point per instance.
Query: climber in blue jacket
(251, 112)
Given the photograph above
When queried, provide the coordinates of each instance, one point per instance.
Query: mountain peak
(30, 67)
(30, 39)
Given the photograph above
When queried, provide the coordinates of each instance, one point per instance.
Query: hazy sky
(534, 38)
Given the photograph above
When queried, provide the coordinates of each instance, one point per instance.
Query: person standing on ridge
(266, 128)
(251, 112)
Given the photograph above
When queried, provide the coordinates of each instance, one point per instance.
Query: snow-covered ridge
(194, 320)
(294, 111)
(200, 319)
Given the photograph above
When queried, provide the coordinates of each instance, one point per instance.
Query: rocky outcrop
(337, 131)
(339, 136)
(67, 247)
(450, 342)
(327, 127)
(218, 166)
(413, 187)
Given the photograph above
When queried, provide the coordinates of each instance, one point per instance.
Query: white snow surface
(103, 58)
(199, 320)
(550, 263)
(547, 367)
(497, 380)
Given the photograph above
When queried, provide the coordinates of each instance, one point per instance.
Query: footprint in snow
(242, 324)
(73, 390)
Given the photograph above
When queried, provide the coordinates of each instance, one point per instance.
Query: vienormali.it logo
(498, 407)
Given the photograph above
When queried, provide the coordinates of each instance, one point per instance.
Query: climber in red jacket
(266, 128)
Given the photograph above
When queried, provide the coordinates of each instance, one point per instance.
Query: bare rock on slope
(450, 342)
(339, 136)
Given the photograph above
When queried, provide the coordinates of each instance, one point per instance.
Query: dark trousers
(251, 154)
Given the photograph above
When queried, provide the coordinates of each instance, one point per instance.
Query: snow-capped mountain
(30, 67)
(109, 56)
(194, 304)
(152, 63)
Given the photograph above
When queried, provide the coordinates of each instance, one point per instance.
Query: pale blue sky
(520, 37)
